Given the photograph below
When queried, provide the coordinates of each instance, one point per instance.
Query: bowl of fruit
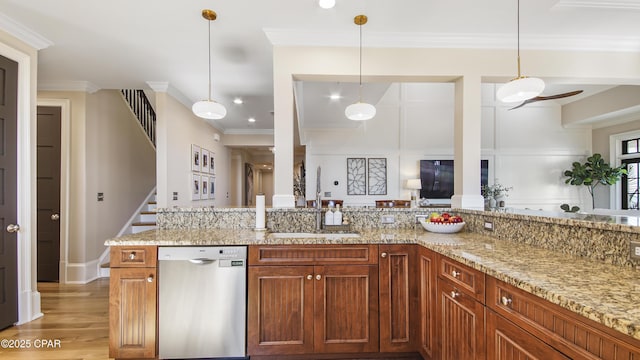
(442, 223)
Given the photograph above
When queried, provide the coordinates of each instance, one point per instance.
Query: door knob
(13, 228)
(55, 217)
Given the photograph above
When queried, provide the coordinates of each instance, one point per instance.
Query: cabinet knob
(455, 294)
(309, 277)
(150, 278)
(132, 255)
(455, 274)
(384, 255)
(318, 277)
(506, 301)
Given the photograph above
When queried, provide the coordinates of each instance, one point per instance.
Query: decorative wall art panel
(356, 182)
(377, 176)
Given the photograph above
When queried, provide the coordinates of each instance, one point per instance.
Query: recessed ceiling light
(237, 101)
(327, 4)
(252, 120)
(335, 97)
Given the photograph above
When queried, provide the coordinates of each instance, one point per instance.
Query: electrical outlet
(387, 219)
(175, 195)
(100, 196)
(488, 225)
(635, 250)
(327, 194)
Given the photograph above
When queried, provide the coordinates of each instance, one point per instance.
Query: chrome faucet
(318, 202)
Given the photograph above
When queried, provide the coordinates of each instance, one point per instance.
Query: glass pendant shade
(209, 109)
(360, 111)
(327, 4)
(520, 89)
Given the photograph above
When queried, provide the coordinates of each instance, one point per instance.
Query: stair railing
(141, 107)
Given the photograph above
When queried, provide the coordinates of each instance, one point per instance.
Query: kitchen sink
(306, 235)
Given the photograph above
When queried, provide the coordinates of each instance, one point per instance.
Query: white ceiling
(114, 44)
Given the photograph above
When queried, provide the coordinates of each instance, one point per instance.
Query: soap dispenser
(337, 216)
(328, 217)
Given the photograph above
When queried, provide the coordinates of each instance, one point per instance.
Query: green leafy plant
(566, 208)
(495, 190)
(592, 173)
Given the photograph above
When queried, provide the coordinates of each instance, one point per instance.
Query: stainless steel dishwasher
(202, 302)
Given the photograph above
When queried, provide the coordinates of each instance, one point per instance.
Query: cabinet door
(460, 321)
(427, 273)
(398, 298)
(280, 312)
(132, 313)
(506, 341)
(346, 308)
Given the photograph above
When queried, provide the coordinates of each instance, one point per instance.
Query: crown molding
(23, 33)
(82, 86)
(600, 4)
(298, 37)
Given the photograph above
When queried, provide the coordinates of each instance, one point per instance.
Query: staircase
(146, 219)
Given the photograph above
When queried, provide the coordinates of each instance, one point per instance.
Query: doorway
(48, 184)
(8, 192)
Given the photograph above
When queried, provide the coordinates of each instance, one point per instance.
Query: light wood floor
(77, 315)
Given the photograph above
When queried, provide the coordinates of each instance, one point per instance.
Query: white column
(467, 144)
(283, 137)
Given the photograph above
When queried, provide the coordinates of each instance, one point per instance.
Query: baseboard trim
(82, 273)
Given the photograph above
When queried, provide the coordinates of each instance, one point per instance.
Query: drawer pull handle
(318, 277)
(132, 256)
(384, 255)
(506, 301)
(455, 294)
(309, 277)
(455, 274)
(150, 278)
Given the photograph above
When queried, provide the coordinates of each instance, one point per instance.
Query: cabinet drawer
(313, 254)
(133, 256)
(574, 335)
(466, 279)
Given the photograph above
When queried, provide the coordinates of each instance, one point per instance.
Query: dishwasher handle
(201, 261)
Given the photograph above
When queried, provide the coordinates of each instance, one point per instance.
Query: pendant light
(360, 111)
(209, 109)
(522, 87)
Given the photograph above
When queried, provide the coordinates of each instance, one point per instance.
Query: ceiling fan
(550, 97)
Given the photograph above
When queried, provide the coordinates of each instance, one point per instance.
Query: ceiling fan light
(208, 109)
(520, 89)
(360, 111)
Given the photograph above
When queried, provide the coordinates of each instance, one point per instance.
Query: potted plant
(592, 173)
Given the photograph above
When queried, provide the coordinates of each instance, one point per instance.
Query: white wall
(526, 148)
(177, 130)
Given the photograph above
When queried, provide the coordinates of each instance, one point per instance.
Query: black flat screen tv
(436, 178)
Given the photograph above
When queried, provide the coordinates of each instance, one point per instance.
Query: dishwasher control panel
(237, 254)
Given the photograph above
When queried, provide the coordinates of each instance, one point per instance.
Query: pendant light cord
(209, 98)
(360, 87)
(518, 25)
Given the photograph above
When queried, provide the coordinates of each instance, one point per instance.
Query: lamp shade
(414, 184)
(209, 109)
(520, 89)
(360, 111)
(327, 4)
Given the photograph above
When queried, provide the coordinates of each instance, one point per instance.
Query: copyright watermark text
(30, 344)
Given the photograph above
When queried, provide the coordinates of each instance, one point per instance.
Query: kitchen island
(559, 287)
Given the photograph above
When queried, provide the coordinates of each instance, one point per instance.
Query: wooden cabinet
(398, 298)
(427, 306)
(460, 312)
(573, 335)
(505, 341)
(322, 304)
(132, 302)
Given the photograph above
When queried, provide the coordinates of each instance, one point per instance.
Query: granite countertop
(601, 292)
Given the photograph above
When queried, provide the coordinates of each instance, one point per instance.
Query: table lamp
(414, 185)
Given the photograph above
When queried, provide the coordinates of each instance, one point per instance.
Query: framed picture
(205, 161)
(356, 182)
(212, 187)
(195, 157)
(212, 163)
(204, 194)
(377, 176)
(195, 186)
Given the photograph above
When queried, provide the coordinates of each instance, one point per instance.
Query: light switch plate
(488, 225)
